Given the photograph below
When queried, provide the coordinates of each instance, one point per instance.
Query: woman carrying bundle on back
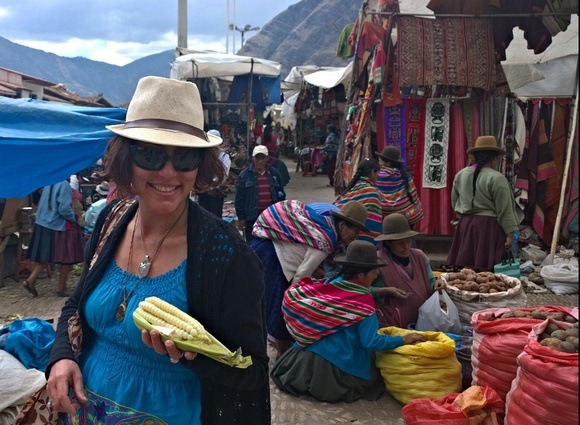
(362, 189)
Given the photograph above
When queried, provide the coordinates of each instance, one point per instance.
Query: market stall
(428, 77)
(224, 81)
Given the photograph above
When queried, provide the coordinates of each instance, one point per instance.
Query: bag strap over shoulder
(116, 213)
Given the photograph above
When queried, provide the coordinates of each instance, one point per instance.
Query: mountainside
(306, 33)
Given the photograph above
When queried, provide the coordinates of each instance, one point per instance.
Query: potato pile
(560, 339)
(483, 282)
(538, 314)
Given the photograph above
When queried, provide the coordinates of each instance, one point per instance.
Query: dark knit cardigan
(225, 292)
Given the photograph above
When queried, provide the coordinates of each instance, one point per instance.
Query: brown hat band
(167, 125)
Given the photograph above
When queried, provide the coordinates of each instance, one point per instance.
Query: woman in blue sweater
(335, 328)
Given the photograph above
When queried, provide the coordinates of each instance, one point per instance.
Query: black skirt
(303, 372)
(41, 248)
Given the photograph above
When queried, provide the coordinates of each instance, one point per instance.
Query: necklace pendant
(144, 266)
(121, 310)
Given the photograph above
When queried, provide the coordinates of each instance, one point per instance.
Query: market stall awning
(210, 64)
(551, 73)
(330, 78)
(42, 143)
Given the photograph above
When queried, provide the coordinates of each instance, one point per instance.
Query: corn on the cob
(187, 333)
(161, 313)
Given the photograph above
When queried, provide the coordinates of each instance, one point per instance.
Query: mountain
(306, 33)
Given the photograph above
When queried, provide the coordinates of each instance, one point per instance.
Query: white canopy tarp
(330, 78)
(211, 64)
(551, 73)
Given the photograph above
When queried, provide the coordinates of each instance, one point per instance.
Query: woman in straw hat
(397, 186)
(484, 202)
(293, 240)
(162, 245)
(332, 358)
(406, 279)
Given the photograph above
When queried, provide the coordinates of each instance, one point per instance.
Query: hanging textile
(537, 164)
(415, 123)
(395, 131)
(572, 192)
(471, 120)
(437, 202)
(509, 143)
(445, 51)
(558, 150)
(436, 144)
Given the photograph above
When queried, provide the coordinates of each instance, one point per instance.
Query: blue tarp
(42, 143)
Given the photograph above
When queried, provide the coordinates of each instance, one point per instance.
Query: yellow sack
(425, 369)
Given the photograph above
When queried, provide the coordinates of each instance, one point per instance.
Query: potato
(556, 315)
(508, 316)
(520, 314)
(560, 334)
(566, 347)
(551, 327)
(572, 332)
(551, 342)
(481, 279)
(474, 287)
(573, 340)
(543, 336)
(538, 314)
(570, 319)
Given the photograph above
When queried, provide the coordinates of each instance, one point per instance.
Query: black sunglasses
(152, 158)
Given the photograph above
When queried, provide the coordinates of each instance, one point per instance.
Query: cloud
(121, 31)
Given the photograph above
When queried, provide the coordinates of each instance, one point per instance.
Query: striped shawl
(294, 221)
(313, 310)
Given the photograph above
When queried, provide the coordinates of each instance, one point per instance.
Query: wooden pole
(571, 135)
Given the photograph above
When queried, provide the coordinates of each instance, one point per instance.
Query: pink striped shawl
(313, 310)
(294, 221)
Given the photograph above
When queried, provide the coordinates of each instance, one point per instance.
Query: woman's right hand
(65, 374)
(413, 338)
(391, 291)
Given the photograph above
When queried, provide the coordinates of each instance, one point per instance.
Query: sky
(120, 31)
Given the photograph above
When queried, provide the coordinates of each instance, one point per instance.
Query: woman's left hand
(153, 339)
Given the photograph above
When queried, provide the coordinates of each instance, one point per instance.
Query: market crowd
(317, 280)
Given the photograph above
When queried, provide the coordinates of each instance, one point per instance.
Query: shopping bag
(439, 314)
(509, 267)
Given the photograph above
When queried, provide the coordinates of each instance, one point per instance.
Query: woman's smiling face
(163, 190)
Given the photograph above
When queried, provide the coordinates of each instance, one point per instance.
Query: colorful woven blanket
(294, 221)
(313, 309)
(452, 51)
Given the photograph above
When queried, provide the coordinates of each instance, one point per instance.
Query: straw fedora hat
(395, 227)
(390, 153)
(360, 254)
(485, 143)
(166, 112)
(354, 213)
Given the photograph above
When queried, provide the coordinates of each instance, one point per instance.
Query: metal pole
(227, 26)
(249, 107)
(182, 24)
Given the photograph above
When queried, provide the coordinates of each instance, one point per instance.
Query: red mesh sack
(474, 406)
(497, 343)
(545, 390)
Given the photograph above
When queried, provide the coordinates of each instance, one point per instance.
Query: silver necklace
(144, 265)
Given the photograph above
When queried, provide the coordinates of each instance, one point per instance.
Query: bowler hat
(485, 143)
(165, 111)
(354, 213)
(390, 153)
(360, 254)
(395, 227)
